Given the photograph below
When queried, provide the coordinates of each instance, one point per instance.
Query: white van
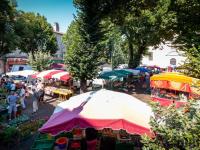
(20, 68)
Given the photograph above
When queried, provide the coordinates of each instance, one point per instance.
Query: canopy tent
(133, 71)
(57, 74)
(111, 75)
(63, 76)
(57, 66)
(174, 76)
(141, 69)
(153, 66)
(124, 71)
(100, 109)
(116, 74)
(175, 81)
(24, 73)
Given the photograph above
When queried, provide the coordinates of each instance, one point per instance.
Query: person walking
(13, 86)
(41, 92)
(22, 97)
(12, 101)
(34, 98)
(147, 82)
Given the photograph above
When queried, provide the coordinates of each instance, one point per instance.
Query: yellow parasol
(174, 76)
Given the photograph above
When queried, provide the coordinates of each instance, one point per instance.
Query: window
(21, 68)
(172, 61)
(150, 55)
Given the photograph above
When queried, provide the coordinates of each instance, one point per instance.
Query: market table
(63, 93)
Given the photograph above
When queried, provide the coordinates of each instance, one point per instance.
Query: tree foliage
(188, 33)
(144, 23)
(114, 45)
(192, 63)
(40, 61)
(8, 37)
(188, 23)
(35, 32)
(84, 58)
(175, 128)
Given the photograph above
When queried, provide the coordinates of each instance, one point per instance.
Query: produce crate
(44, 137)
(69, 135)
(28, 128)
(43, 145)
(124, 146)
(19, 120)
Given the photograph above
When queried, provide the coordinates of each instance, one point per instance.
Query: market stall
(100, 109)
(120, 79)
(57, 82)
(47, 74)
(117, 117)
(172, 87)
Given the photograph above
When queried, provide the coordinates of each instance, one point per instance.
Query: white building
(164, 56)
(61, 47)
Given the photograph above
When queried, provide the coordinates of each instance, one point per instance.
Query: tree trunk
(83, 85)
(32, 53)
(130, 63)
(138, 56)
(4, 64)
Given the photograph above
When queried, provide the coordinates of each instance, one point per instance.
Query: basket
(62, 142)
(43, 145)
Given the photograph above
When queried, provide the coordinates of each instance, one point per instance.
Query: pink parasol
(100, 109)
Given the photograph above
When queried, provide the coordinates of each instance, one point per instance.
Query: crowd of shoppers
(18, 94)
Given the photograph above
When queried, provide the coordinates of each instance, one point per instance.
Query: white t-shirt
(13, 86)
(22, 92)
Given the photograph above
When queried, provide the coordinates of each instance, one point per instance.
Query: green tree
(35, 32)
(187, 27)
(175, 128)
(40, 61)
(192, 63)
(8, 37)
(188, 33)
(144, 24)
(114, 44)
(84, 60)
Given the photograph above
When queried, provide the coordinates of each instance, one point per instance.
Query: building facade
(61, 47)
(19, 59)
(164, 56)
(16, 58)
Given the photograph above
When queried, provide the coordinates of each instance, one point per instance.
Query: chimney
(56, 27)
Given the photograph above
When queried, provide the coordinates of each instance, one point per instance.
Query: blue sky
(60, 11)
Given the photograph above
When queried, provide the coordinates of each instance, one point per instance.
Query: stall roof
(174, 76)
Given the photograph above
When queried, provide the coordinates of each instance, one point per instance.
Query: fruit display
(43, 145)
(9, 136)
(28, 128)
(43, 142)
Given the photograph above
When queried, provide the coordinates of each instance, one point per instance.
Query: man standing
(13, 86)
(41, 92)
(34, 98)
(22, 97)
(12, 100)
